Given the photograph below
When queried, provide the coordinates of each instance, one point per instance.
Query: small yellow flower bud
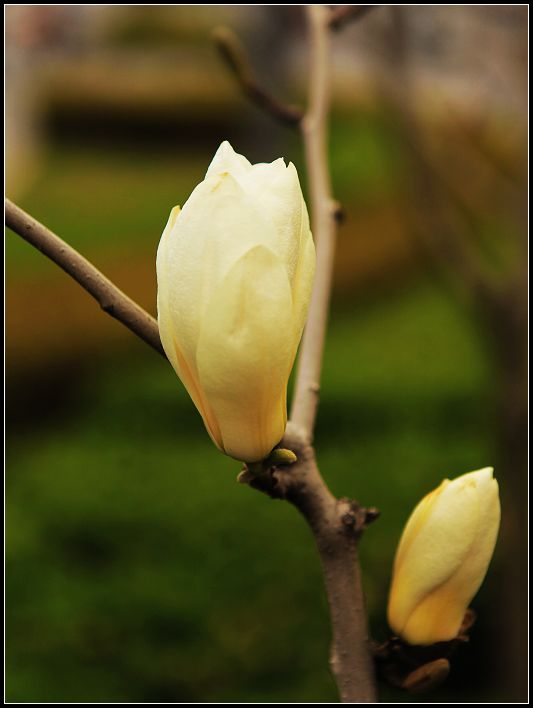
(442, 558)
(234, 270)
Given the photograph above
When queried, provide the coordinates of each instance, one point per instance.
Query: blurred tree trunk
(507, 328)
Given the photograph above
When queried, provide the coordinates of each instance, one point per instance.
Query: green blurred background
(138, 570)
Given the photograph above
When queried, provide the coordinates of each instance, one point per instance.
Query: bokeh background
(137, 569)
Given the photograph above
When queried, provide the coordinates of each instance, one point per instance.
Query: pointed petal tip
(481, 476)
(174, 213)
(225, 147)
(227, 159)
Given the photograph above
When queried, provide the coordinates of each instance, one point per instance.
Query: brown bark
(336, 525)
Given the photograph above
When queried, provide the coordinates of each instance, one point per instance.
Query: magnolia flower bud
(442, 558)
(234, 270)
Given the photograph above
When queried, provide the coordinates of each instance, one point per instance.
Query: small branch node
(371, 515)
(352, 516)
(419, 669)
(338, 212)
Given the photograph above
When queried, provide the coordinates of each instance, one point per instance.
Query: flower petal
(245, 352)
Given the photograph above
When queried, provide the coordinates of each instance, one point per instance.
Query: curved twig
(234, 54)
(323, 210)
(109, 297)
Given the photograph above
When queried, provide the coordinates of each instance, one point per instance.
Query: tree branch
(232, 51)
(323, 207)
(350, 658)
(336, 525)
(109, 297)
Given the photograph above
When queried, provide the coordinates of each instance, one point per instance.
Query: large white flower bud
(235, 269)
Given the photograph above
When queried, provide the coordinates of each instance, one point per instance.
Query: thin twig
(323, 207)
(350, 660)
(342, 14)
(234, 54)
(109, 297)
